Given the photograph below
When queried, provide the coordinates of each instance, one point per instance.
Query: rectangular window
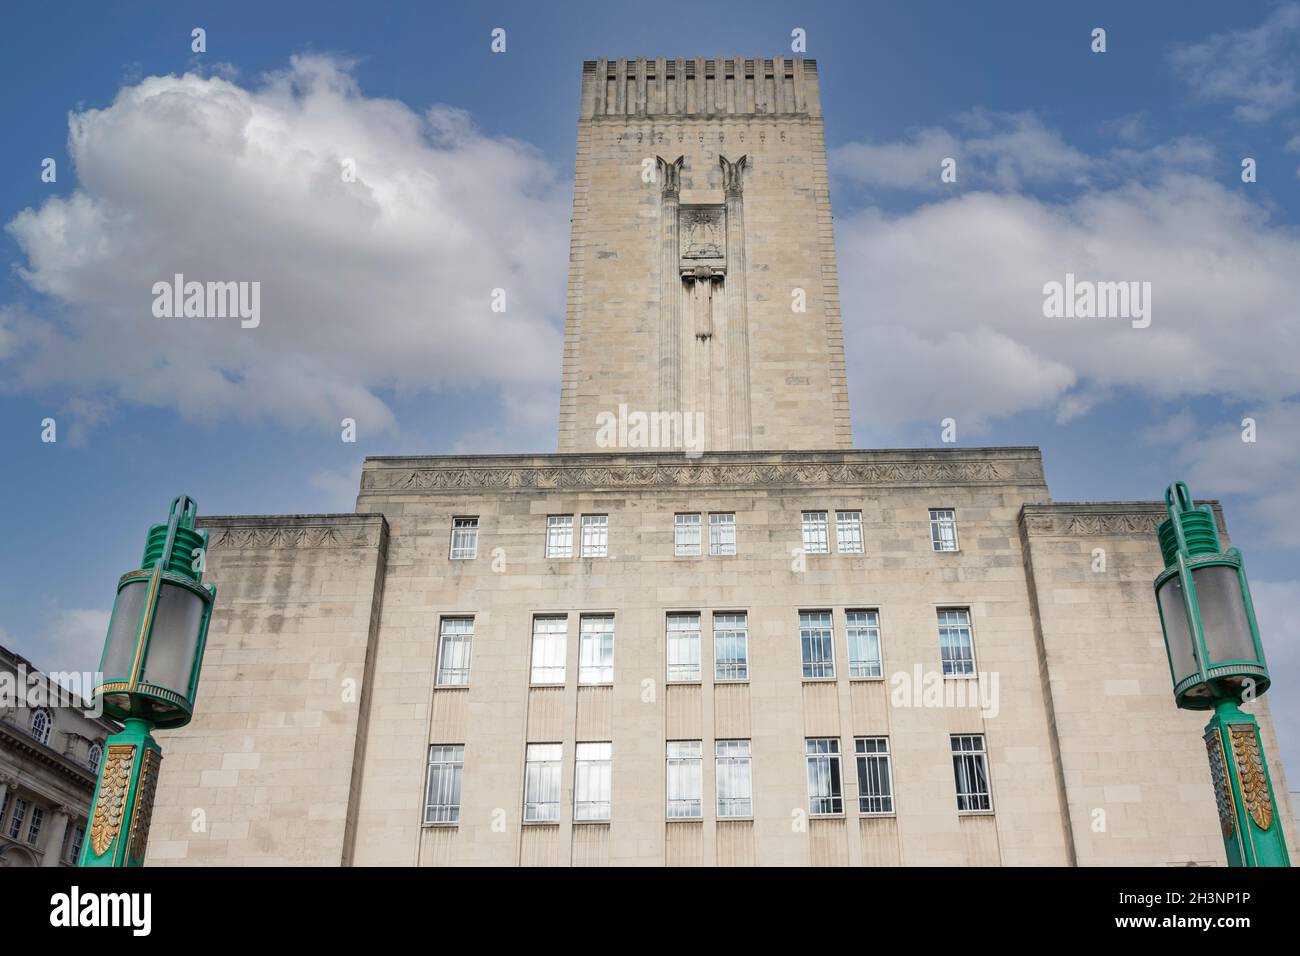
(455, 643)
(683, 647)
(685, 780)
(734, 781)
(550, 644)
(943, 529)
(686, 536)
(722, 533)
(956, 647)
(814, 533)
(595, 536)
(78, 837)
(442, 789)
(875, 790)
(464, 539)
(542, 782)
(596, 649)
(816, 644)
(864, 643)
(970, 770)
(20, 814)
(730, 647)
(33, 831)
(825, 788)
(559, 536)
(848, 531)
(592, 778)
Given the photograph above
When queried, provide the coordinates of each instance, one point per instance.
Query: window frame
(669, 617)
(969, 625)
(839, 528)
(825, 531)
(733, 761)
(937, 524)
(555, 523)
(604, 767)
(861, 760)
(441, 662)
(805, 645)
(850, 627)
(552, 675)
(598, 550)
(978, 757)
(549, 770)
(16, 818)
(94, 755)
(694, 767)
(457, 769)
(602, 666)
(717, 547)
(456, 531)
(832, 760)
(46, 718)
(681, 550)
(719, 661)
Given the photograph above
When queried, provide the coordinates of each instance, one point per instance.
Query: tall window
(542, 782)
(956, 647)
(875, 790)
(685, 780)
(596, 650)
(464, 539)
(33, 831)
(816, 644)
(825, 788)
(455, 643)
(550, 637)
(592, 778)
(94, 755)
(78, 836)
(848, 532)
(734, 781)
(730, 647)
(39, 725)
(595, 536)
(971, 771)
(864, 643)
(683, 647)
(559, 536)
(722, 533)
(442, 791)
(686, 536)
(814, 533)
(20, 814)
(943, 529)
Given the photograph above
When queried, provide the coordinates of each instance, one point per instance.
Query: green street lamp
(1216, 661)
(149, 674)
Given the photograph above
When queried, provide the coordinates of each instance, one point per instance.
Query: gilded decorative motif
(143, 810)
(1222, 789)
(1250, 774)
(111, 802)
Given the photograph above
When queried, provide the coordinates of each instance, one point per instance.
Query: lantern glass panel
(1178, 635)
(119, 649)
(174, 639)
(1223, 614)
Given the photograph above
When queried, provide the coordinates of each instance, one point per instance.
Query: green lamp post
(148, 678)
(1216, 661)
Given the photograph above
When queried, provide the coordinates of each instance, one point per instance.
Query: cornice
(1072, 519)
(295, 532)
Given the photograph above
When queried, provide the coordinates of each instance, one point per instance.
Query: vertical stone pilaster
(670, 286)
(739, 413)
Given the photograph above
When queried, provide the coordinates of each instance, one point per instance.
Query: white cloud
(1009, 151)
(71, 640)
(1255, 69)
(339, 486)
(1279, 628)
(380, 284)
(943, 305)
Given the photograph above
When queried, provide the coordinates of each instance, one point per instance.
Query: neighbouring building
(707, 631)
(50, 750)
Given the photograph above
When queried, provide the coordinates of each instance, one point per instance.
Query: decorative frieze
(1082, 520)
(457, 477)
(262, 533)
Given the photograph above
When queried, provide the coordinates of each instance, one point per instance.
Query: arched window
(40, 725)
(94, 755)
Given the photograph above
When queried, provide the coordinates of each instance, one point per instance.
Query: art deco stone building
(731, 639)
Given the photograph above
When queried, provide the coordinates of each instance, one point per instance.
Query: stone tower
(702, 279)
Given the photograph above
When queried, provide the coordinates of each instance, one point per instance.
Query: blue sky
(1122, 165)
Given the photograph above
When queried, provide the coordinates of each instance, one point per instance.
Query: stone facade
(329, 688)
(49, 758)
